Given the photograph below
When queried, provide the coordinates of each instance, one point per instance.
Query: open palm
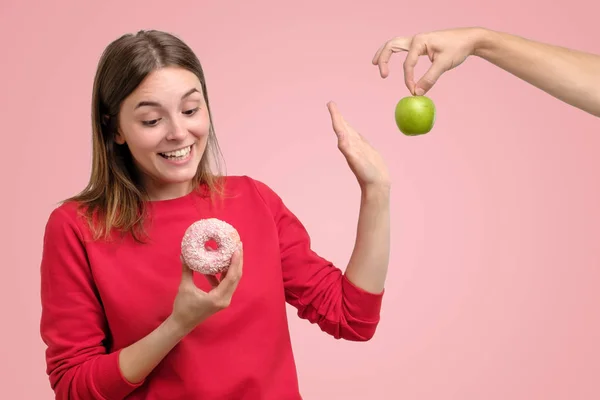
(364, 161)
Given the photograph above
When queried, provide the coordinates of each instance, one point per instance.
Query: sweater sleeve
(73, 324)
(320, 292)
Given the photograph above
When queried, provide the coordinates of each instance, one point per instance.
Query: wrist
(376, 191)
(174, 329)
(484, 42)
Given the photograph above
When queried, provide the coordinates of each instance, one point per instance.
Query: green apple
(415, 115)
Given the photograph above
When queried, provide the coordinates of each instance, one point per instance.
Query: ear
(119, 139)
(106, 121)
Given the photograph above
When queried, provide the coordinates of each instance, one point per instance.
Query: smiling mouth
(177, 154)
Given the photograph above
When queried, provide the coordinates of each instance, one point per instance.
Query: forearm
(368, 264)
(139, 359)
(569, 75)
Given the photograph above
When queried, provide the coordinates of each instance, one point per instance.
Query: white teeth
(178, 153)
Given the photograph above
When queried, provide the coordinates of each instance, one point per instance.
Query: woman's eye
(192, 111)
(152, 122)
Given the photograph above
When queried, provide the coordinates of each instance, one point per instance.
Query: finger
(430, 77)
(377, 54)
(224, 273)
(187, 275)
(337, 120)
(417, 49)
(384, 58)
(229, 283)
(384, 54)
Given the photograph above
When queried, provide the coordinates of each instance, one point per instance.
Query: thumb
(430, 77)
(234, 273)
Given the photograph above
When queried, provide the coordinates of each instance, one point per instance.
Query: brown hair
(114, 197)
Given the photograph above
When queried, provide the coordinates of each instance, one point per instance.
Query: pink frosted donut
(205, 260)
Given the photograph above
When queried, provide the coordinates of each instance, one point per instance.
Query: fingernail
(419, 92)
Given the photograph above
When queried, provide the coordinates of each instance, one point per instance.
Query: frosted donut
(202, 259)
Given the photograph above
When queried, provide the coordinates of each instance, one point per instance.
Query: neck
(159, 192)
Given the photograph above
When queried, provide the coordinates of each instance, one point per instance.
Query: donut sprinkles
(207, 261)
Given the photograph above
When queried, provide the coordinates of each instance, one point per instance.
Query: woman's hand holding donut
(192, 305)
(364, 161)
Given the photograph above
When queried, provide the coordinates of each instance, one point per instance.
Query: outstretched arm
(569, 75)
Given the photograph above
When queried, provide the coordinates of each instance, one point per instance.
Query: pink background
(493, 284)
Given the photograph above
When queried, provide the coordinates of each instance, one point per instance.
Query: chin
(180, 176)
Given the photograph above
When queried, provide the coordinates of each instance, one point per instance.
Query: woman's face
(165, 124)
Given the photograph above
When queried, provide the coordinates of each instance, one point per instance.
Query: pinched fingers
(437, 68)
(417, 49)
(415, 46)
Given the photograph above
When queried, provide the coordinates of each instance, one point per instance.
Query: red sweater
(101, 296)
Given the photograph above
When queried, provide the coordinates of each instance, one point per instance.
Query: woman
(122, 317)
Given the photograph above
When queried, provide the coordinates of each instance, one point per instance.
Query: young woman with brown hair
(122, 317)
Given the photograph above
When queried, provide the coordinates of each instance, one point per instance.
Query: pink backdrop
(495, 267)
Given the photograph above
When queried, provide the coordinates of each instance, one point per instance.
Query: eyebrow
(156, 104)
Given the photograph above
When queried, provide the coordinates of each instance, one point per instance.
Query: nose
(177, 130)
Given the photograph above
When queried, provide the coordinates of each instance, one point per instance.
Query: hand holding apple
(446, 49)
